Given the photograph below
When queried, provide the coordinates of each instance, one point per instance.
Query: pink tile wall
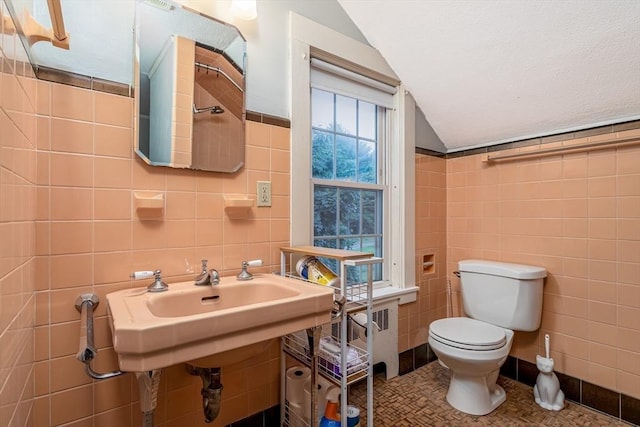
(17, 232)
(578, 215)
(431, 225)
(90, 237)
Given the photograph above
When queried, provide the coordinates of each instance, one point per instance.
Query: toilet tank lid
(504, 269)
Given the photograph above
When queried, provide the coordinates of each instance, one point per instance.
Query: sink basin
(187, 302)
(195, 323)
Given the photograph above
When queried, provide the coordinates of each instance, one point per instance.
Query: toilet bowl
(473, 351)
(498, 298)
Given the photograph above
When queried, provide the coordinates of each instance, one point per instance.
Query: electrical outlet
(264, 193)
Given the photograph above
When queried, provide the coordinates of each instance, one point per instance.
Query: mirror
(189, 80)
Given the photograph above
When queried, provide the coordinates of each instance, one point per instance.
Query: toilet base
(475, 395)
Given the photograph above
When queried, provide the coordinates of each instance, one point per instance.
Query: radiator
(385, 341)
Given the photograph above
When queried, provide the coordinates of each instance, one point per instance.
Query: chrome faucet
(244, 274)
(207, 277)
(157, 286)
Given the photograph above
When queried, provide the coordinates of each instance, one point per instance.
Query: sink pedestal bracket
(148, 382)
(211, 390)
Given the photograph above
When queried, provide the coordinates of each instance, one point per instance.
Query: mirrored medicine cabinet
(190, 89)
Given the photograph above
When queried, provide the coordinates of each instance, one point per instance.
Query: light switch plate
(264, 193)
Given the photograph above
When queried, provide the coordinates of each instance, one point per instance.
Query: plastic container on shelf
(312, 269)
(353, 416)
(331, 415)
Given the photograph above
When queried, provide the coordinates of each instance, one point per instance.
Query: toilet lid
(468, 334)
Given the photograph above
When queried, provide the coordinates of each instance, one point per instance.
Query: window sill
(404, 295)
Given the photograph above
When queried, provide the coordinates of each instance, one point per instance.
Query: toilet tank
(503, 294)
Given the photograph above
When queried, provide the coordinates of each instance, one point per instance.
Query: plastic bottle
(331, 415)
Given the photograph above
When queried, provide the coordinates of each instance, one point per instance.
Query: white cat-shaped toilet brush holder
(547, 389)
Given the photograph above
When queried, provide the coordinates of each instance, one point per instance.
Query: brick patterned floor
(418, 399)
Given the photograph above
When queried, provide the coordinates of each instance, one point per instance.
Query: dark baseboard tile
(267, 418)
(610, 402)
(509, 368)
(630, 410)
(421, 355)
(527, 373)
(601, 399)
(405, 362)
(571, 387)
(268, 120)
(415, 358)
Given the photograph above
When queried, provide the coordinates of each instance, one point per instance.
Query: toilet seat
(468, 334)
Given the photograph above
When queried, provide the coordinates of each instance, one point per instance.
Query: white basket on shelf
(329, 357)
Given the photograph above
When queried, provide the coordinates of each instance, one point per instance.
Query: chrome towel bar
(85, 304)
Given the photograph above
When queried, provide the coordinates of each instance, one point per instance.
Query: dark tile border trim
(427, 152)
(101, 85)
(268, 120)
(601, 130)
(85, 82)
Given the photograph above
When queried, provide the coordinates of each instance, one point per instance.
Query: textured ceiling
(486, 72)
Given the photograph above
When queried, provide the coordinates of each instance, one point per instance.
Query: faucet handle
(252, 263)
(138, 275)
(204, 265)
(244, 274)
(158, 285)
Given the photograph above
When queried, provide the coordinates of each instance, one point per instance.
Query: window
(348, 181)
(357, 189)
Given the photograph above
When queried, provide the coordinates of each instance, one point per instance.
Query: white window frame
(308, 38)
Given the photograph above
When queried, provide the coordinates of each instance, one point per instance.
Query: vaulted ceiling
(491, 71)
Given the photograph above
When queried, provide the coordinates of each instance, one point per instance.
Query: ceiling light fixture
(244, 9)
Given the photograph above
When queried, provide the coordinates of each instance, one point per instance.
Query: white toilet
(498, 297)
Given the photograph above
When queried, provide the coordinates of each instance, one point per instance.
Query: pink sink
(196, 323)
